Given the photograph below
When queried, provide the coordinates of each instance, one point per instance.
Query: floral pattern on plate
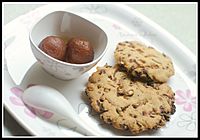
(29, 111)
(188, 121)
(185, 99)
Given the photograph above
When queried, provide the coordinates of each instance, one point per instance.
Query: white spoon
(49, 99)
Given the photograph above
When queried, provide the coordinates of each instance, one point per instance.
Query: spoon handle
(51, 100)
(84, 128)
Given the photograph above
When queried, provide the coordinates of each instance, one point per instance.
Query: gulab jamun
(54, 46)
(79, 51)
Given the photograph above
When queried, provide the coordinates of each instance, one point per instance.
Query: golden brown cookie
(144, 62)
(126, 104)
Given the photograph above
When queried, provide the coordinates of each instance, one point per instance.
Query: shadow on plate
(71, 89)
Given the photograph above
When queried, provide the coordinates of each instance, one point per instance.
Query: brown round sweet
(54, 46)
(79, 51)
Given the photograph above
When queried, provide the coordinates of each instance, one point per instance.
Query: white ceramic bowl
(68, 25)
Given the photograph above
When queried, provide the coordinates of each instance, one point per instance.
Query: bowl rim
(62, 62)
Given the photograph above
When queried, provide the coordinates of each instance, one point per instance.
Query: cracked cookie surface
(127, 104)
(143, 61)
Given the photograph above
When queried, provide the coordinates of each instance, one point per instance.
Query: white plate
(120, 23)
